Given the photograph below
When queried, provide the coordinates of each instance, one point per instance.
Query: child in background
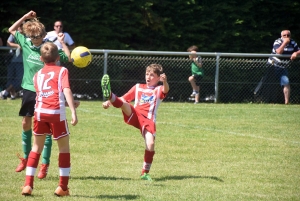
(197, 72)
(143, 114)
(52, 87)
(30, 43)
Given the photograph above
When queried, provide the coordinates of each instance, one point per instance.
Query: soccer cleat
(27, 190)
(60, 192)
(43, 171)
(22, 164)
(105, 84)
(146, 176)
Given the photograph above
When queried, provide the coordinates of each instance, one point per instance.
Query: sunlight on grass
(203, 152)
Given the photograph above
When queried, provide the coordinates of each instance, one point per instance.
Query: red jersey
(147, 99)
(49, 83)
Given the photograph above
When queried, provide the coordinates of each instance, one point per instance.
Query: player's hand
(76, 103)
(163, 77)
(106, 104)
(74, 120)
(61, 37)
(31, 14)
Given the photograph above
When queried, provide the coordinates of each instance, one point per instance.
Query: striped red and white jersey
(147, 99)
(49, 83)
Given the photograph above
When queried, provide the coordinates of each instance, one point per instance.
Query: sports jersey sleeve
(19, 38)
(63, 56)
(65, 79)
(130, 95)
(161, 94)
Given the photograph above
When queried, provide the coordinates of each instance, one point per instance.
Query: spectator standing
(52, 36)
(197, 72)
(284, 45)
(14, 70)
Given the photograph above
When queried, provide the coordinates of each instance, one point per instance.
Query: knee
(191, 78)
(26, 124)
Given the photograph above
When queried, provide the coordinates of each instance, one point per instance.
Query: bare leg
(193, 83)
(149, 141)
(197, 95)
(38, 143)
(286, 92)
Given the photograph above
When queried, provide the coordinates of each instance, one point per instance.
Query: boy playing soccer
(52, 87)
(143, 114)
(30, 43)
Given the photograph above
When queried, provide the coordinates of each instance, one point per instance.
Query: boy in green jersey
(197, 72)
(31, 42)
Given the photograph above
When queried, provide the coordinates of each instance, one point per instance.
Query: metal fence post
(217, 78)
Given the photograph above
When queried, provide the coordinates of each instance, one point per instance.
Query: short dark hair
(193, 48)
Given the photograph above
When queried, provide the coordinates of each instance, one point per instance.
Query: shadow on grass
(100, 178)
(110, 197)
(188, 177)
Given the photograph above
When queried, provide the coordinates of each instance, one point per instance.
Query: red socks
(148, 158)
(64, 164)
(116, 101)
(32, 163)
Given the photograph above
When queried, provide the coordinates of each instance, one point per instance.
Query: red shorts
(57, 129)
(140, 121)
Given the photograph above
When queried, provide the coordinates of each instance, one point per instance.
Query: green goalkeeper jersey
(31, 59)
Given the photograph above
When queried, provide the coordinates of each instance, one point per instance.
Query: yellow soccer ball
(81, 57)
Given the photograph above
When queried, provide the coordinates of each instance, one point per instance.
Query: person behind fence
(197, 72)
(58, 28)
(34, 33)
(143, 114)
(284, 45)
(14, 69)
(52, 88)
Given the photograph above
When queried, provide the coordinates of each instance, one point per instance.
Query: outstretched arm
(60, 38)
(17, 24)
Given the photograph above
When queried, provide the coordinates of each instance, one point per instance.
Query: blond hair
(49, 52)
(34, 28)
(156, 68)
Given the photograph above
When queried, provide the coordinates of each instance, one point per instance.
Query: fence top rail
(211, 54)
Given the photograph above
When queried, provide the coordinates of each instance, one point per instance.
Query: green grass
(203, 152)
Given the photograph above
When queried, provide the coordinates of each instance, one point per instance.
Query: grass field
(203, 152)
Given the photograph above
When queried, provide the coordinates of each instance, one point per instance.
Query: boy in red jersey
(52, 87)
(143, 114)
(30, 42)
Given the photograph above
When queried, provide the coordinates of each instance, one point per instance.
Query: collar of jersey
(37, 47)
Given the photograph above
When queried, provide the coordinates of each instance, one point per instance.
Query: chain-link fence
(229, 78)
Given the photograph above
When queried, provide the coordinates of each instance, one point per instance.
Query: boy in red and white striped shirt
(143, 114)
(52, 87)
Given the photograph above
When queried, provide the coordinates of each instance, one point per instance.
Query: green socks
(26, 145)
(26, 142)
(47, 150)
